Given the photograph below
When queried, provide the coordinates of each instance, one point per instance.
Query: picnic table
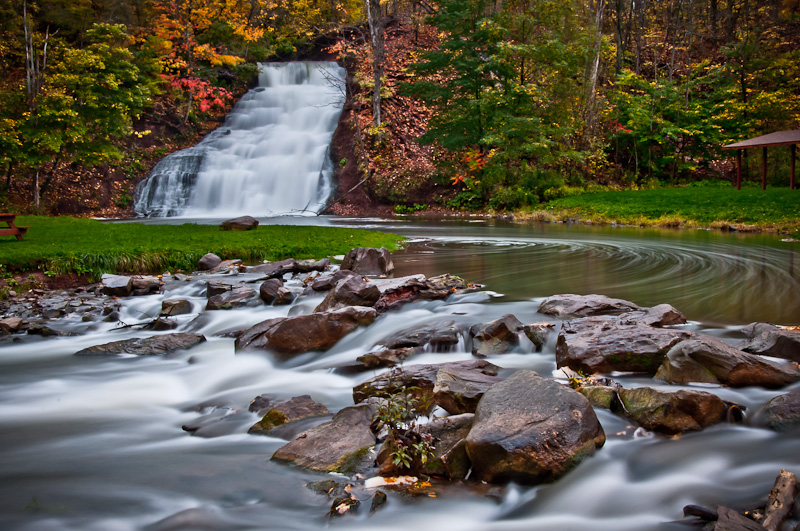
(12, 229)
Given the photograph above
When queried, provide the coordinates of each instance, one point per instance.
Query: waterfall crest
(270, 158)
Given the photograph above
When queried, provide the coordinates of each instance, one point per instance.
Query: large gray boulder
(288, 336)
(145, 285)
(341, 445)
(568, 306)
(531, 429)
(769, 340)
(603, 344)
(350, 291)
(163, 344)
(239, 224)
(234, 298)
(208, 262)
(170, 307)
(783, 411)
(298, 408)
(368, 261)
(117, 285)
(706, 359)
(672, 412)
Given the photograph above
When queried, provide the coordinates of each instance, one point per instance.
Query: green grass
(774, 208)
(71, 245)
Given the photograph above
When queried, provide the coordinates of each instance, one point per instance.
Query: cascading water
(270, 158)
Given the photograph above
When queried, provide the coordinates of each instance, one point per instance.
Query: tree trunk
(376, 29)
(594, 72)
(36, 192)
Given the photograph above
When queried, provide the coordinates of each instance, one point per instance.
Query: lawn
(71, 245)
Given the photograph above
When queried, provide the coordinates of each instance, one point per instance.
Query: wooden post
(793, 149)
(738, 169)
(764, 168)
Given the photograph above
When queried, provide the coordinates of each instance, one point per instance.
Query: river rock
(497, 337)
(240, 223)
(439, 336)
(422, 378)
(234, 298)
(769, 340)
(277, 269)
(161, 324)
(600, 396)
(117, 285)
(658, 316)
(227, 266)
(145, 285)
(217, 287)
(384, 358)
(409, 289)
(530, 429)
(340, 445)
(350, 291)
(328, 281)
(150, 346)
(272, 291)
(458, 391)
(11, 325)
(302, 333)
(783, 411)
(298, 408)
(208, 262)
(537, 333)
(368, 261)
(602, 344)
(672, 412)
(569, 306)
(706, 359)
(170, 307)
(449, 435)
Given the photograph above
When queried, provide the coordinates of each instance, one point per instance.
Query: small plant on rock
(409, 449)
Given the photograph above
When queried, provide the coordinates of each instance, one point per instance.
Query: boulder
(170, 307)
(234, 298)
(288, 336)
(769, 340)
(341, 445)
(161, 324)
(569, 306)
(298, 408)
(277, 269)
(458, 391)
(328, 281)
(146, 285)
(385, 358)
(217, 287)
(537, 333)
(150, 346)
(117, 285)
(417, 287)
(706, 359)
(600, 396)
(658, 316)
(350, 291)
(783, 411)
(208, 262)
(439, 336)
(497, 337)
(11, 325)
(530, 429)
(602, 344)
(227, 266)
(672, 412)
(272, 291)
(449, 435)
(240, 223)
(368, 261)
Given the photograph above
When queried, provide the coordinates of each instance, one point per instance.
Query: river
(96, 443)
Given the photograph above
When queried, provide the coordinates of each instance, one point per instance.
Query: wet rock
(234, 298)
(602, 344)
(417, 287)
(368, 261)
(341, 445)
(217, 287)
(260, 404)
(421, 377)
(161, 324)
(11, 325)
(350, 291)
(707, 359)
(162, 344)
(208, 262)
(439, 336)
(239, 224)
(170, 307)
(328, 281)
(117, 285)
(298, 408)
(569, 306)
(272, 291)
(146, 285)
(537, 333)
(302, 333)
(37, 329)
(218, 422)
(600, 396)
(783, 411)
(497, 337)
(385, 358)
(769, 340)
(458, 391)
(658, 316)
(277, 269)
(227, 266)
(449, 435)
(672, 412)
(531, 429)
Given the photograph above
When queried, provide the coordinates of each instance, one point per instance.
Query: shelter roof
(779, 138)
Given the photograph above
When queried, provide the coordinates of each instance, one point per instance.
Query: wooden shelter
(779, 138)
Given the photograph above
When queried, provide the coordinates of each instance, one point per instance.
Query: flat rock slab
(672, 412)
(530, 429)
(706, 359)
(603, 344)
(298, 408)
(150, 346)
(783, 412)
(658, 316)
(569, 306)
(414, 288)
(117, 285)
(770, 340)
(341, 445)
(438, 336)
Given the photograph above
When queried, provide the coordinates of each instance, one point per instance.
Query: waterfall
(270, 158)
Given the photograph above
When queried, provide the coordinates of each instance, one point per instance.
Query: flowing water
(269, 158)
(97, 444)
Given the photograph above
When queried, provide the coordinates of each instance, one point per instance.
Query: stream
(96, 443)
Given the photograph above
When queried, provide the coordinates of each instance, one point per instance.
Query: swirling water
(92, 443)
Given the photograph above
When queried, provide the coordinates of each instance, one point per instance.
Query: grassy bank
(771, 209)
(70, 245)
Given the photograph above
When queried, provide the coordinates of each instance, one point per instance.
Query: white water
(270, 158)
